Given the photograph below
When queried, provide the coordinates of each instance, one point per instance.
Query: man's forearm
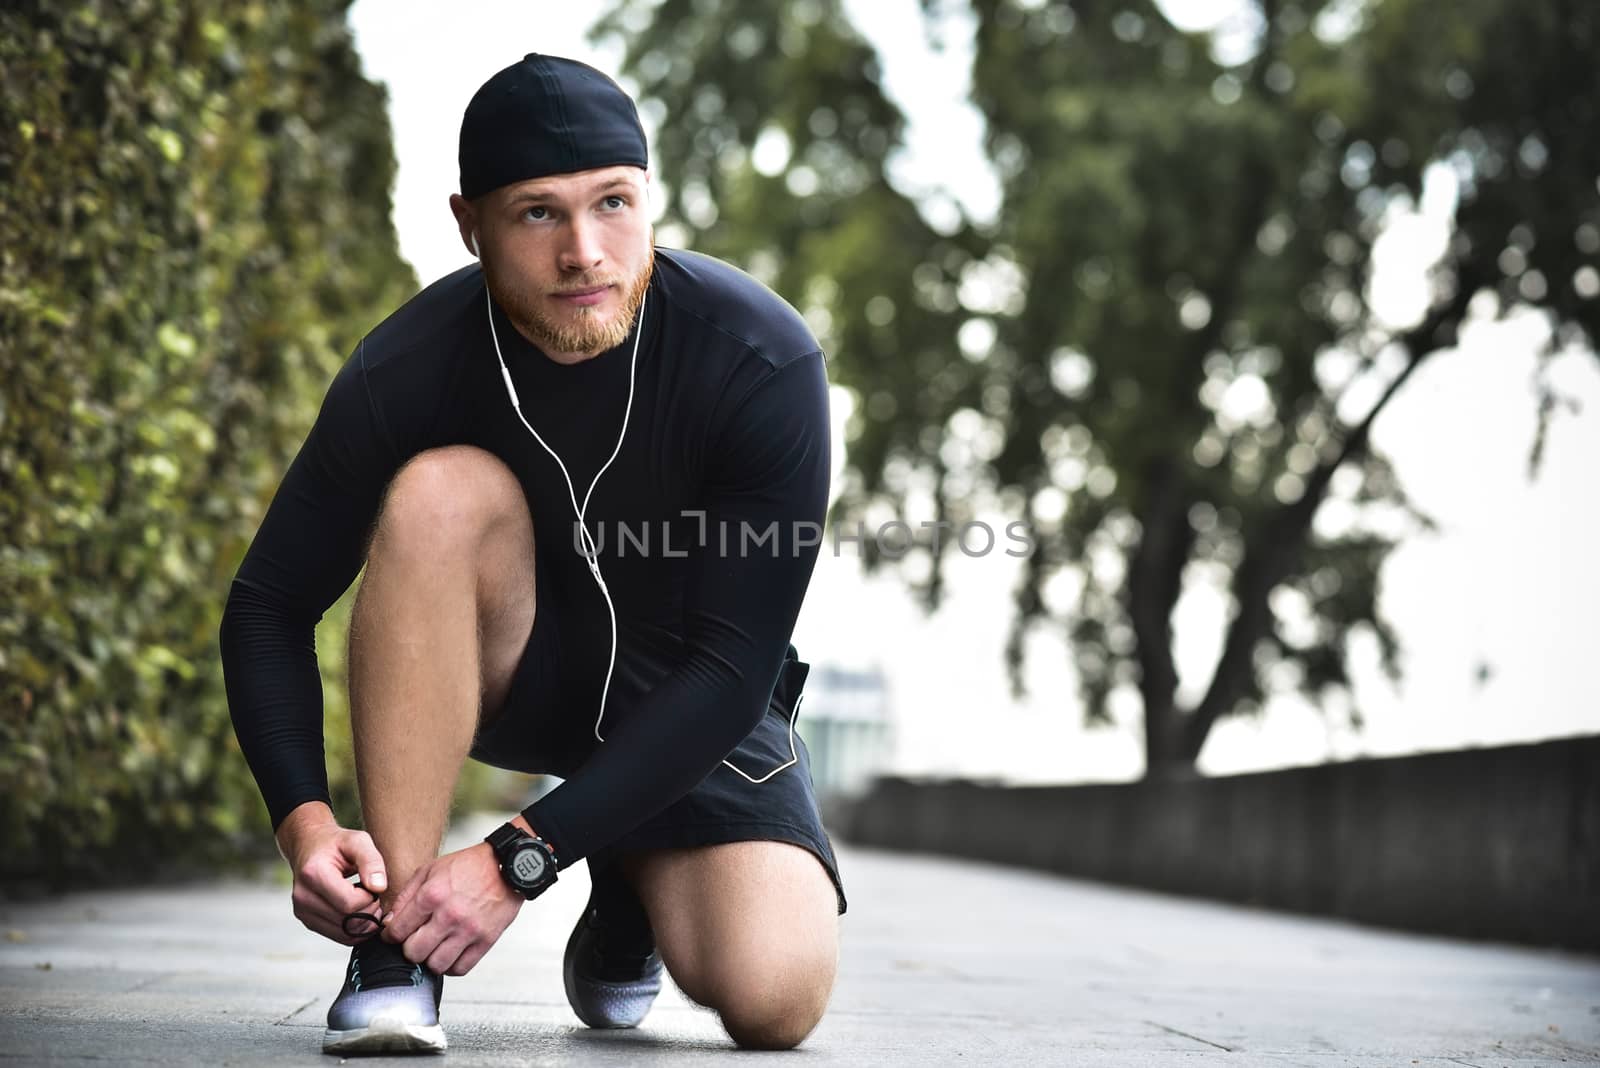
(274, 687)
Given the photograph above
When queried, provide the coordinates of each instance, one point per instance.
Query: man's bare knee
(449, 496)
(747, 929)
(777, 1011)
(769, 997)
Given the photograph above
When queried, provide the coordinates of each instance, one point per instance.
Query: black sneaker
(387, 1005)
(612, 971)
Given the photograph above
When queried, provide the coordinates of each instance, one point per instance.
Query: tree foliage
(1165, 351)
(194, 227)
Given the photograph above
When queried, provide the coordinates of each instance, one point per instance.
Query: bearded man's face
(569, 257)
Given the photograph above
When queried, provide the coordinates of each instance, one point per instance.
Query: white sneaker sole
(385, 1036)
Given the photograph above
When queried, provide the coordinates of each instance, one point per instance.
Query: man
(587, 479)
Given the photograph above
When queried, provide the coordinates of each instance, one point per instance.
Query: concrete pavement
(942, 963)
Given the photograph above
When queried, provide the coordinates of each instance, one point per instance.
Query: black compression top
(727, 442)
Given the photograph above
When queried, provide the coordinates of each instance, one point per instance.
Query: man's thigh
(742, 919)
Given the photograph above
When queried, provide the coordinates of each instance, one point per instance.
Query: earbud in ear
(475, 251)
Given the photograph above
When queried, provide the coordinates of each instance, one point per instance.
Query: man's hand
(323, 855)
(453, 910)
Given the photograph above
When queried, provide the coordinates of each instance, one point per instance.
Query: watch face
(528, 865)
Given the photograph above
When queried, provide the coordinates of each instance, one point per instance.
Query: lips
(584, 297)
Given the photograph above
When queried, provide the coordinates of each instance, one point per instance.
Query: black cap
(546, 115)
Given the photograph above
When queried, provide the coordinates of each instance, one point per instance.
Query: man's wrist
(527, 863)
(304, 817)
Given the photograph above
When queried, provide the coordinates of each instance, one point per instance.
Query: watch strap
(505, 834)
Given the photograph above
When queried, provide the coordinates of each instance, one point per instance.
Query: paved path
(943, 964)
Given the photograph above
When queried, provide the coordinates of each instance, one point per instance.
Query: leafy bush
(194, 229)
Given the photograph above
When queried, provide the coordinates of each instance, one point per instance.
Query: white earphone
(587, 545)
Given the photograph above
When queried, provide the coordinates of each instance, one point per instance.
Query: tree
(1165, 351)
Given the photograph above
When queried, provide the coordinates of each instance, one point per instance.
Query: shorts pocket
(787, 688)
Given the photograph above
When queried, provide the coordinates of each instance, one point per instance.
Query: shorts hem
(722, 832)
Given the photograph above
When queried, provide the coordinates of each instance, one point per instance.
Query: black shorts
(541, 729)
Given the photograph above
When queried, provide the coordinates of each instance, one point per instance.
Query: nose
(581, 249)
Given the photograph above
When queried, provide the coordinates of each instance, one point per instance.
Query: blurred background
(1273, 320)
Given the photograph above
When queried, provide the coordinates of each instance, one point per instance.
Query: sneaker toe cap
(608, 1005)
(408, 1006)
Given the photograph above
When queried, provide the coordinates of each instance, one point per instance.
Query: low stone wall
(1497, 843)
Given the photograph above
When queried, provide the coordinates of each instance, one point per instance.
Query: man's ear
(466, 222)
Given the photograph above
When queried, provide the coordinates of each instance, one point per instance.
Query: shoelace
(362, 926)
(367, 926)
(387, 967)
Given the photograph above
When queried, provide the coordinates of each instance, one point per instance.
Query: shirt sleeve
(306, 553)
(768, 468)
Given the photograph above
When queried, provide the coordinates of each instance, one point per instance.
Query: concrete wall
(1483, 843)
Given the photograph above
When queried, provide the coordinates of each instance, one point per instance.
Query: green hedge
(194, 229)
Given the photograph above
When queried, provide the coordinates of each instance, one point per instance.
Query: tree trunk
(1155, 579)
(1272, 554)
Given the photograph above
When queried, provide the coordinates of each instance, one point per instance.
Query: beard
(589, 331)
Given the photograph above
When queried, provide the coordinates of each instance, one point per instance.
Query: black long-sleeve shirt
(727, 445)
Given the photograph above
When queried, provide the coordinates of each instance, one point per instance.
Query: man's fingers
(333, 887)
(364, 858)
(443, 959)
(326, 919)
(469, 958)
(361, 924)
(332, 931)
(403, 922)
(323, 894)
(406, 915)
(420, 945)
(328, 926)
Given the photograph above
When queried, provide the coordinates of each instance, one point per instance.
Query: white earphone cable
(587, 544)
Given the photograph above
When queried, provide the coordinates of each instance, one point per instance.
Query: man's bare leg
(442, 617)
(750, 929)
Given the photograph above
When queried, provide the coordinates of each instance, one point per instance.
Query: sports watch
(527, 863)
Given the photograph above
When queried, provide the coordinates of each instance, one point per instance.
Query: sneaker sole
(385, 1036)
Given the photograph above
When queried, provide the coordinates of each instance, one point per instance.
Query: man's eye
(616, 201)
(537, 214)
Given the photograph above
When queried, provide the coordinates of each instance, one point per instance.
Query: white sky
(1510, 581)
